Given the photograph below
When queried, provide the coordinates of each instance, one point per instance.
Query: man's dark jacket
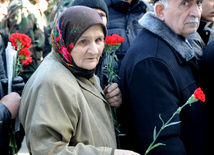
(158, 74)
(207, 79)
(5, 114)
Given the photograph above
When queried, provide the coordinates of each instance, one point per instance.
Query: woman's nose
(93, 49)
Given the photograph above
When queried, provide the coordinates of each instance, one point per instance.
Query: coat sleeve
(5, 117)
(50, 122)
(152, 90)
(2, 60)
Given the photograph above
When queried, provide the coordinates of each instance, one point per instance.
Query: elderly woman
(63, 108)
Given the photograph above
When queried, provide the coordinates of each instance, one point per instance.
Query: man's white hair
(163, 2)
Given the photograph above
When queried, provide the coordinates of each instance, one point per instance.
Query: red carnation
(110, 40)
(118, 38)
(17, 38)
(114, 39)
(25, 51)
(199, 95)
(26, 41)
(26, 61)
(21, 42)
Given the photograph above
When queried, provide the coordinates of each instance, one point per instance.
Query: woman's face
(89, 47)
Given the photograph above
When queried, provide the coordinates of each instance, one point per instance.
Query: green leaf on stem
(156, 145)
(154, 134)
(161, 119)
(173, 123)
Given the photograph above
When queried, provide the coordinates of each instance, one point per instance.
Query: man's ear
(159, 9)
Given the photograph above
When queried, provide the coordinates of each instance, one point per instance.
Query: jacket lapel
(94, 89)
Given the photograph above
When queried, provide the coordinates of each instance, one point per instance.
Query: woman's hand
(113, 95)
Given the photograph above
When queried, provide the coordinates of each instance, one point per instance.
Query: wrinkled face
(88, 48)
(183, 16)
(102, 14)
(3, 9)
(208, 10)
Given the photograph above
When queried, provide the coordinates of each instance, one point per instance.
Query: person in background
(60, 6)
(3, 38)
(98, 5)
(123, 20)
(9, 104)
(158, 74)
(24, 17)
(64, 88)
(204, 34)
(3, 7)
(210, 23)
(42, 6)
(206, 69)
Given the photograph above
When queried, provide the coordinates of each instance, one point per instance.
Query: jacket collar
(202, 25)
(159, 28)
(94, 89)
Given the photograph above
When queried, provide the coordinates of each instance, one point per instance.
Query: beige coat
(64, 114)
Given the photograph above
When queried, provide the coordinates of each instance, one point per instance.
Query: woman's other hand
(113, 95)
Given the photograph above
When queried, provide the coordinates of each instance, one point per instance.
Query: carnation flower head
(22, 42)
(199, 95)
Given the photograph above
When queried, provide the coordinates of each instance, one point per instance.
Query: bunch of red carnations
(21, 42)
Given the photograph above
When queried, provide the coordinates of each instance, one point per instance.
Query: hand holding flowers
(113, 95)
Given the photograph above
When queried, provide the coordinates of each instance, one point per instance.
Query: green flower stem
(110, 53)
(12, 142)
(167, 124)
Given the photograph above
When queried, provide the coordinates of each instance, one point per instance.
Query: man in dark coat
(158, 74)
(9, 104)
(206, 69)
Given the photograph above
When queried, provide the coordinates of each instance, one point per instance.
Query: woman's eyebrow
(89, 37)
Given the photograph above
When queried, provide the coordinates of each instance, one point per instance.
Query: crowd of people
(63, 99)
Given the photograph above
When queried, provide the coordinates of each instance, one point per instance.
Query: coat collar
(159, 28)
(94, 89)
